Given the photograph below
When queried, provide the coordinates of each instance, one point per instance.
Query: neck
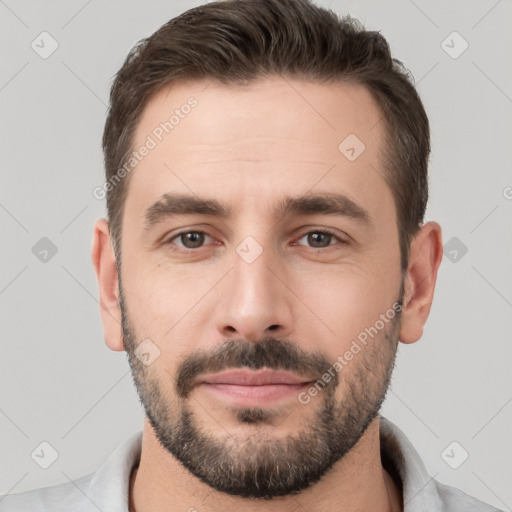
(358, 482)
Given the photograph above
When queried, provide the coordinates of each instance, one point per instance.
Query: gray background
(61, 384)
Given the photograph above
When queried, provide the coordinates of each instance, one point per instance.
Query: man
(264, 253)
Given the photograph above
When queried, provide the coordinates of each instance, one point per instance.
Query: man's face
(261, 289)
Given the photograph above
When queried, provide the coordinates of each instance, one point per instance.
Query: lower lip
(254, 395)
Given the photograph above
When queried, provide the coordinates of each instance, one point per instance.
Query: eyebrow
(172, 204)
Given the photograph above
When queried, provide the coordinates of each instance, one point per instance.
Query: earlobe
(105, 266)
(425, 257)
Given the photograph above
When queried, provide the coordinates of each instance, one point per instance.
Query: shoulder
(420, 490)
(105, 489)
(56, 498)
(455, 500)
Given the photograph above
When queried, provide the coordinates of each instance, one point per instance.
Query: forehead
(272, 135)
(275, 107)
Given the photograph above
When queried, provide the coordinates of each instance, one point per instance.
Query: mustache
(269, 352)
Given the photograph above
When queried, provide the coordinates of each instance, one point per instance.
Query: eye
(189, 239)
(320, 239)
(317, 239)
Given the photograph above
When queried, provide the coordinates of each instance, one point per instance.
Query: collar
(110, 483)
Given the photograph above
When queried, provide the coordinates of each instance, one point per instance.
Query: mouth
(251, 388)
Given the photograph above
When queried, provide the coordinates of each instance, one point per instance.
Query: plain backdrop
(62, 385)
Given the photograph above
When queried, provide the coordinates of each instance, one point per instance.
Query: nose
(255, 301)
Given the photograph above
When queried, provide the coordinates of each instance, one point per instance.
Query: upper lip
(243, 377)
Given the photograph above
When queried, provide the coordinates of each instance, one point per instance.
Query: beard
(259, 464)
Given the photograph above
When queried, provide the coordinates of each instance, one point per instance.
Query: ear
(425, 256)
(105, 265)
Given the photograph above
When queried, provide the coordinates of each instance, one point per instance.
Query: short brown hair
(237, 41)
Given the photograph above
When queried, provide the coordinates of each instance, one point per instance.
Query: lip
(242, 377)
(247, 388)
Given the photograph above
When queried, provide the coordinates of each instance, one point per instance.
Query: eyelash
(323, 231)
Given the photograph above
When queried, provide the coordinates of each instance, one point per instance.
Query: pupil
(194, 238)
(316, 237)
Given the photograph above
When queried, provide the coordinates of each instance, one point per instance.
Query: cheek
(344, 303)
(167, 305)
(156, 290)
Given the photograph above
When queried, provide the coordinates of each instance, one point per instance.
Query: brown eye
(189, 239)
(320, 239)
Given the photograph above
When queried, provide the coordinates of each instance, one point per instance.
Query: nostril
(273, 327)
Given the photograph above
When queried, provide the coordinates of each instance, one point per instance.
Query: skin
(255, 144)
